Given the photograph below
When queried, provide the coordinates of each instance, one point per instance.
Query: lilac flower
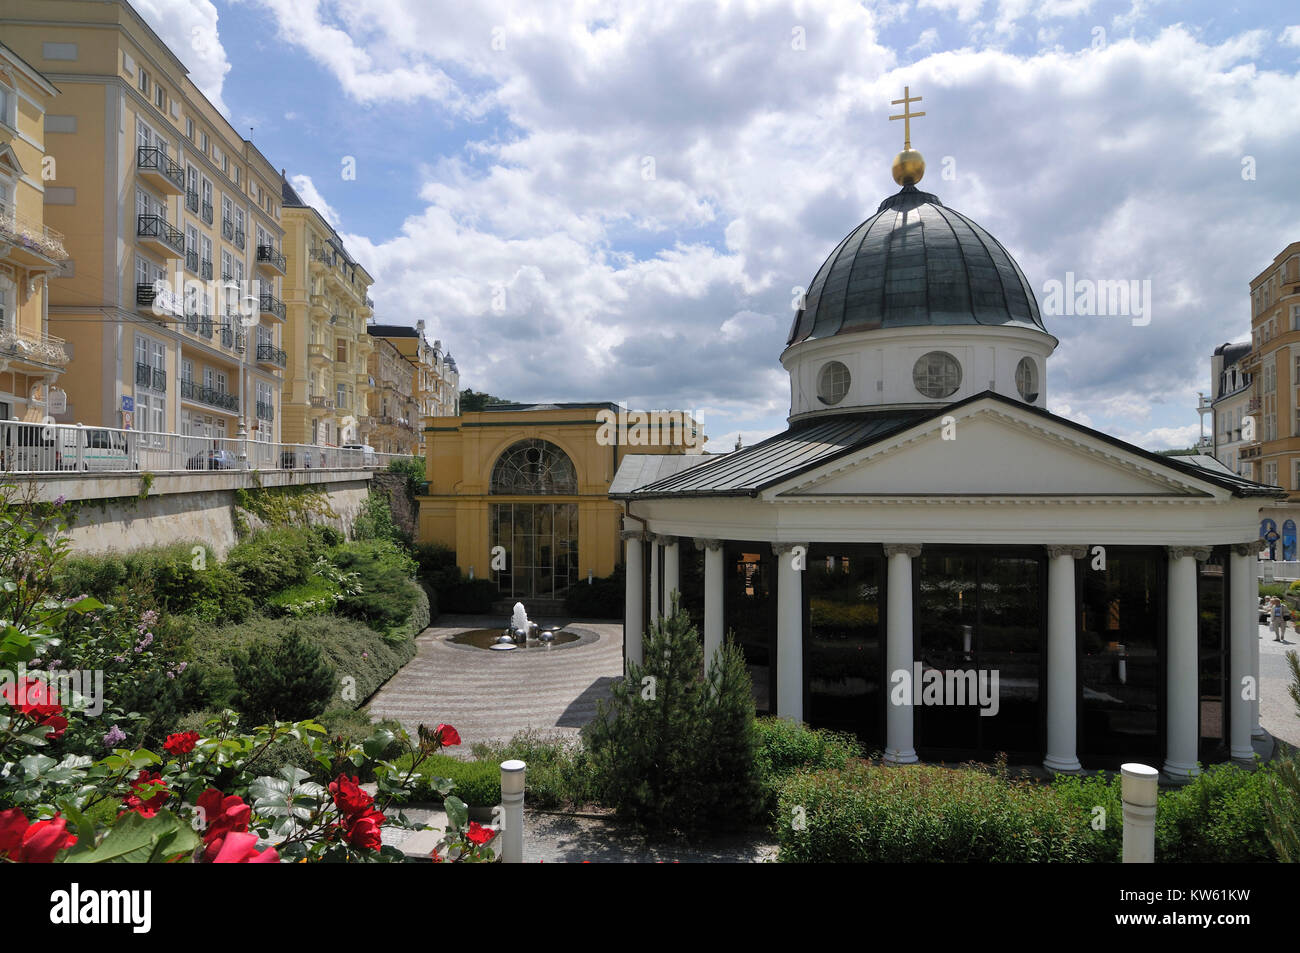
(115, 734)
(148, 617)
(59, 500)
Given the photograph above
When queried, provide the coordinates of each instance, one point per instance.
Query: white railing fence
(55, 448)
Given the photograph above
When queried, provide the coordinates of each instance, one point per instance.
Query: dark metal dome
(915, 263)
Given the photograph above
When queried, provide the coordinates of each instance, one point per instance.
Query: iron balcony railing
(205, 270)
(271, 354)
(227, 229)
(146, 375)
(272, 305)
(370, 302)
(268, 254)
(265, 411)
(155, 226)
(192, 390)
(30, 234)
(146, 295)
(239, 238)
(322, 255)
(192, 200)
(227, 336)
(192, 321)
(205, 327)
(153, 159)
(192, 261)
(207, 212)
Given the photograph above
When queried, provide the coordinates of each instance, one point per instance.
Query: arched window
(1288, 540)
(535, 468)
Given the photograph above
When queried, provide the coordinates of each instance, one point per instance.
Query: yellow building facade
(398, 426)
(31, 360)
(328, 385)
(171, 303)
(533, 480)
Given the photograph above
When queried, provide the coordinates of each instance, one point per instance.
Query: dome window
(937, 375)
(833, 383)
(1027, 379)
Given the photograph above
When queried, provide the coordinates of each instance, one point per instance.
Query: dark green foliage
(921, 813)
(1282, 808)
(384, 573)
(176, 577)
(451, 591)
(282, 680)
(559, 770)
(469, 597)
(413, 469)
(274, 559)
(672, 750)
(786, 746)
(477, 783)
(600, 599)
(471, 400)
(375, 521)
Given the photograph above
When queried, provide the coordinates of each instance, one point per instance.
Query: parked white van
(35, 447)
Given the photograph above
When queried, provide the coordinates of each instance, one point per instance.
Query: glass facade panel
(750, 612)
(541, 544)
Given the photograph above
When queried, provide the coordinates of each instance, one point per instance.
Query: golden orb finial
(909, 166)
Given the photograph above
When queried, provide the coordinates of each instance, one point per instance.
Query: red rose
(478, 834)
(182, 743)
(223, 815)
(37, 843)
(241, 848)
(447, 736)
(32, 698)
(150, 783)
(364, 831)
(349, 797)
(57, 723)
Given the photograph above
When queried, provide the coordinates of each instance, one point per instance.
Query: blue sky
(615, 200)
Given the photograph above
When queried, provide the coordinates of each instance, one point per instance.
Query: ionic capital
(1251, 547)
(1074, 552)
(911, 550)
(702, 544)
(637, 534)
(780, 549)
(1199, 553)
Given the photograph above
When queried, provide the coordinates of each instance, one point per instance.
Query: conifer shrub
(274, 559)
(285, 680)
(674, 750)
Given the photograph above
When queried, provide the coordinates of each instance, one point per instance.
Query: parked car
(213, 460)
(298, 458)
(39, 447)
(364, 450)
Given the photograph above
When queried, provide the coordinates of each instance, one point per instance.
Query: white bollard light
(512, 814)
(1139, 790)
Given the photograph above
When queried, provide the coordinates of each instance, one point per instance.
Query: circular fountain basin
(487, 639)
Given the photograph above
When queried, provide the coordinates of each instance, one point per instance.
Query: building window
(203, 142)
(143, 81)
(160, 98)
(8, 107)
(1027, 379)
(937, 375)
(189, 128)
(536, 468)
(832, 383)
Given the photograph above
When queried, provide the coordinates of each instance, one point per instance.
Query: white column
(1182, 692)
(1062, 660)
(898, 651)
(713, 596)
(654, 578)
(633, 623)
(1256, 730)
(791, 558)
(672, 572)
(1243, 636)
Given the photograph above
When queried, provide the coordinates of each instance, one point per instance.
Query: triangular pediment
(988, 449)
(9, 164)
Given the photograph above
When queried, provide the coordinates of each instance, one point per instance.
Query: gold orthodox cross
(906, 115)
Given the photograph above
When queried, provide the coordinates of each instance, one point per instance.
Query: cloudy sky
(619, 200)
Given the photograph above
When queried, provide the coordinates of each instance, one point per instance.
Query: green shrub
(559, 770)
(1217, 818)
(786, 746)
(384, 573)
(468, 597)
(316, 596)
(921, 813)
(375, 521)
(1105, 827)
(1270, 589)
(413, 469)
(678, 751)
(477, 783)
(274, 559)
(600, 599)
(282, 680)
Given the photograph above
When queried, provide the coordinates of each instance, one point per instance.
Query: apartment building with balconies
(31, 360)
(436, 384)
(398, 427)
(171, 302)
(1229, 405)
(327, 297)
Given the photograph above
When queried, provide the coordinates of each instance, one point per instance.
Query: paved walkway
(1277, 714)
(489, 695)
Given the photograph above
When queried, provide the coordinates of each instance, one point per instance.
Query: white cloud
(306, 188)
(189, 28)
(1290, 36)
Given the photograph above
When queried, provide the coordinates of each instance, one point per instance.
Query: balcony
(205, 327)
(192, 201)
(191, 390)
(370, 303)
(159, 235)
(192, 261)
(38, 348)
(272, 305)
(270, 354)
(265, 411)
(192, 321)
(205, 270)
(227, 336)
(269, 260)
(227, 229)
(157, 168)
(241, 341)
(206, 214)
(318, 352)
(31, 243)
(239, 238)
(320, 258)
(157, 299)
(146, 375)
(322, 403)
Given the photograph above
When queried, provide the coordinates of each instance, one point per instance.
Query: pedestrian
(1278, 620)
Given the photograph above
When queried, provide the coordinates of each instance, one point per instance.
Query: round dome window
(832, 383)
(1027, 379)
(937, 374)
